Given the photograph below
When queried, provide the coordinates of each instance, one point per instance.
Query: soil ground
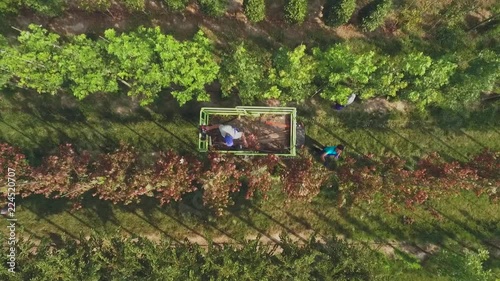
(273, 32)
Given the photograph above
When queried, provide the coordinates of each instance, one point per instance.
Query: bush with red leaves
(220, 180)
(301, 178)
(63, 174)
(175, 175)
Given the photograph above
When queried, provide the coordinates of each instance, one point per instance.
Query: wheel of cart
(268, 130)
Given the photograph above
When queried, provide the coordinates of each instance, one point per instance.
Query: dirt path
(273, 32)
(390, 248)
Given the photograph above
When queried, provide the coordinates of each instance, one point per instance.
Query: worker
(228, 132)
(350, 99)
(332, 151)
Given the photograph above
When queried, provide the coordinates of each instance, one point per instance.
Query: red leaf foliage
(63, 174)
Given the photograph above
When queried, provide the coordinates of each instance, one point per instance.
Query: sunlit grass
(40, 127)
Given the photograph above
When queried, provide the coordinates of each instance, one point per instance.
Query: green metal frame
(256, 111)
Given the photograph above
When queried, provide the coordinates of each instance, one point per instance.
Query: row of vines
(123, 177)
(146, 62)
(113, 257)
(107, 257)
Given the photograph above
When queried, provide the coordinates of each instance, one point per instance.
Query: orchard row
(146, 63)
(124, 177)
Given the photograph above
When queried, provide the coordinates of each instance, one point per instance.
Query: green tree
(480, 76)
(214, 8)
(245, 71)
(188, 66)
(35, 62)
(255, 10)
(293, 74)
(296, 11)
(94, 5)
(338, 12)
(9, 6)
(426, 78)
(48, 7)
(134, 5)
(134, 56)
(386, 81)
(374, 14)
(5, 75)
(176, 5)
(86, 70)
(342, 72)
(138, 258)
(464, 266)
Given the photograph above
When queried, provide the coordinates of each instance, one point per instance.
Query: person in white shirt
(228, 132)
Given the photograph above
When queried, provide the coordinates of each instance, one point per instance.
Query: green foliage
(426, 78)
(454, 13)
(134, 5)
(149, 61)
(245, 71)
(426, 89)
(9, 6)
(338, 12)
(343, 72)
(176, 5)
(296, 11)
(134, 57)
(145, 60)
(215, 8)
(416, 64)
(481, 75)
(94, 5)
(255, 10)
(461, 266)
(87, 72)
(188, 66)
(5, 75)
(47, 7)
(387, 81)
(137, 258)
(374, 14)
(35, 63)
(293, 74)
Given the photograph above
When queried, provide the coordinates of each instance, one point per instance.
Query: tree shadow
(335, 226)
(155, 226)
(349, 146)
(456, 151)
(251, 224)
(472, 139)
(44, 218)
(180, 222)
(478, 119)
(360, 119)
(289, 230)
(103, 209)
(489, 226)
(370, 134)
(43, 206)
(405, 138)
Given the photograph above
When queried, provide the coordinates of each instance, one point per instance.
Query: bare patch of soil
(382, 106)
(348, 32)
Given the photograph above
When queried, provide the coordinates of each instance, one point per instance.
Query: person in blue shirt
(332, 151)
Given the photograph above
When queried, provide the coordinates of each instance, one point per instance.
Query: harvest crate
(269, 130)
